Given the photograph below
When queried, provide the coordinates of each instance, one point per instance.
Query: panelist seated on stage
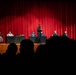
(55, 34)
(33, 34)
(10, 34)
(0, 34)
(42, 34)
(1, 38)
(65, 34)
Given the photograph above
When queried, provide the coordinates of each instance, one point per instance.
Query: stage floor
(3, 47)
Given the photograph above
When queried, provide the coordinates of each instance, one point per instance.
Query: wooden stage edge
(3, 47)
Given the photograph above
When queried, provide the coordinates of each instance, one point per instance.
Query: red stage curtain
(23, 17)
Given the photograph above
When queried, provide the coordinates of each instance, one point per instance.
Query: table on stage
(14, 39)
(3, 47)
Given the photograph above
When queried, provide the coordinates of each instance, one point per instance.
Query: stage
(3, 47)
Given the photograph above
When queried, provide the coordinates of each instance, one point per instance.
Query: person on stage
(42, 34)
(55, 34)
(33, 34)
(1, 38)
(10, 34)
(65, 34)
(0, 34)
(39, 30)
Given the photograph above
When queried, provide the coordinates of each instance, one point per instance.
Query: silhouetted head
(12, 48)
(26, 46)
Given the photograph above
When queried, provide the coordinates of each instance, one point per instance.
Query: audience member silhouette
(58, 54)
(26, 52)
(9, 57)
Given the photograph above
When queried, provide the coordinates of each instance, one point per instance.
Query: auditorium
(38, 31)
